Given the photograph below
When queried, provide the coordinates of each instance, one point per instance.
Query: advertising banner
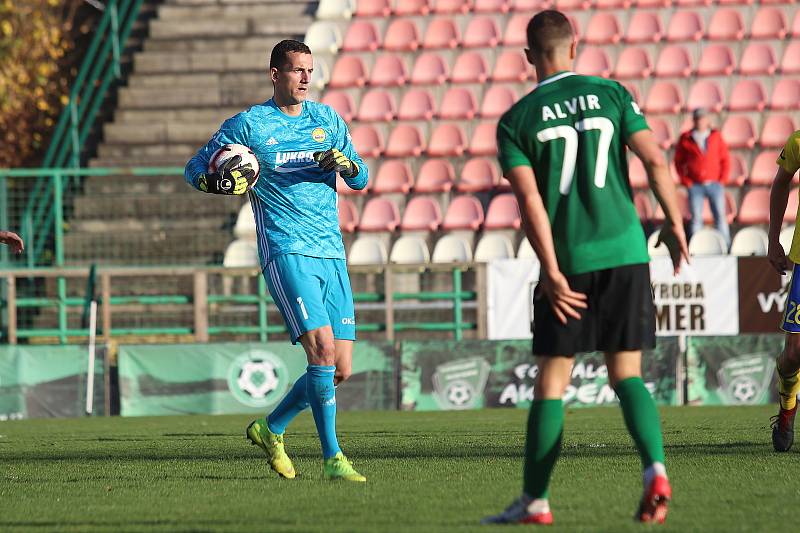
(510, 286)
(448, 375)
(762, 296)
(47, 381)
(701, 300)
(240, 377)
(732, 370)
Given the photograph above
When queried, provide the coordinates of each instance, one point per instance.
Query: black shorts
(620, 314)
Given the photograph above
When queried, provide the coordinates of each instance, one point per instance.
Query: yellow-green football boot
(338, 467)
(259, 434)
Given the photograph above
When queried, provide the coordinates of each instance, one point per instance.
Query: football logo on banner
(746, 379)
(257, 379)
(460, 384)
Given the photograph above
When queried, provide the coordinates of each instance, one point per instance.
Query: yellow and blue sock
(321, 394)
(291, 405)
(788, 388)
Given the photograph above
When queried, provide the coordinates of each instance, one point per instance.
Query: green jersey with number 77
(572, 130)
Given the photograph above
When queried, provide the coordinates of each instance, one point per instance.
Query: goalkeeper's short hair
(280, 54)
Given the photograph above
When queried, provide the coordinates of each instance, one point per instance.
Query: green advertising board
(240, 377)
(47, 381)
(473, 374)
(732, 370)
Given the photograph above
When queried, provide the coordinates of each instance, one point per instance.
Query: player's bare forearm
(534, 216)
(778, 198)
(646, 149)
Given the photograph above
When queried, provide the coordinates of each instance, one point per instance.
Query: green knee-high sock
(542, 445)
(641, 417)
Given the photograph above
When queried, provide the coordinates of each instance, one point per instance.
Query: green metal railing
(100, 66)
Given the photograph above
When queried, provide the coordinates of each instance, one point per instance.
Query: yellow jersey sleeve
(789, 158)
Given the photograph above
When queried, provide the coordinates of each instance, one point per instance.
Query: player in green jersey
(562, 147)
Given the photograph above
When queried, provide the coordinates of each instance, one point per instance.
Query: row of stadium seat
(405, 34)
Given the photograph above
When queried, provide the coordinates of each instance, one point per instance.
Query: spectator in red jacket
(703, 165)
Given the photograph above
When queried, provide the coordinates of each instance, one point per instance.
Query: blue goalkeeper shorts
(312, 292)
(791, 311)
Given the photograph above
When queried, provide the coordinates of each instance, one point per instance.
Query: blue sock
(292, 404)
(321, 395)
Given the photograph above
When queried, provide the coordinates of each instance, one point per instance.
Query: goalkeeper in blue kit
(300, 146)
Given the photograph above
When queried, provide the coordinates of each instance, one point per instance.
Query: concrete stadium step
(144, 185)
(169, 160)
(142, 206)
(176, 62)
(145, 153)
(228, 27)
(185, 246)
(273, 10)
(153, 224)
(199, 114)
(220, 44)
(234, 94)
(171, 132)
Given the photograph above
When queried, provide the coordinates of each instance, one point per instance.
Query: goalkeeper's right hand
(230, 178)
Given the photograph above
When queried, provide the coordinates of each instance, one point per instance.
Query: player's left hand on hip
(334, 160)
(563, 300)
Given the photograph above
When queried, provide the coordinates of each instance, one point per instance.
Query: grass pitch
(426, 472)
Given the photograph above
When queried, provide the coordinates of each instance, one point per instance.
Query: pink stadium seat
(705, 94)
(452, 6)
(464, 212)
(738, 173)
(377, 105)
(344, 190)
(447, 139)
(644, 27)
(342, 103)
(571, 5)
(785, 94)
(716, 60)
(685, 26)
(674, 61)
(497, 100)
(637, 173)
(484, 139)
(470, 67)
(612, 4)
(348, 215)
(693, 3)
(575, 26)
(367, 140)
(758, 59)
(530, 5)
(503, 212)
(429, 69)
(644, 207)
(389, 70)
(651, 4)
(593, 61)
(394, 176)
(769, 23)
(662, 131)
(373, 8)
(736, 2)
(417, 104)
(739, 132)
(764, 167)
(421, 214)
(478, 175)
(633, 62)
(406, 140)
(790, 64)
(441, 33)
(634, 90)
(603, 29)
(726, 25)
(349, 71)
(361, 36)
(458, 103)
(435, 175)
(402, 35)
(412, 7)
(796, 25)
(777, 128)
(481, 32)
(512, 66)
(491, 6)
(683, 205)
(379, 214)
(664, 97)
(748, 95)
(515, 34)
(755, 207)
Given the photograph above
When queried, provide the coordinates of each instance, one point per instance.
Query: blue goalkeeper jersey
(294, 201)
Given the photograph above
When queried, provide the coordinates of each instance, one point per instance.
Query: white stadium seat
(245, 227)
(708, 241)
(336, 9)
(410, 249)
(324, 37)
(368, 251)
(750, 241)
(661, 251)
(452, 248)
(525, 249)
(787, 234)
(493, 246)
(241, 253)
